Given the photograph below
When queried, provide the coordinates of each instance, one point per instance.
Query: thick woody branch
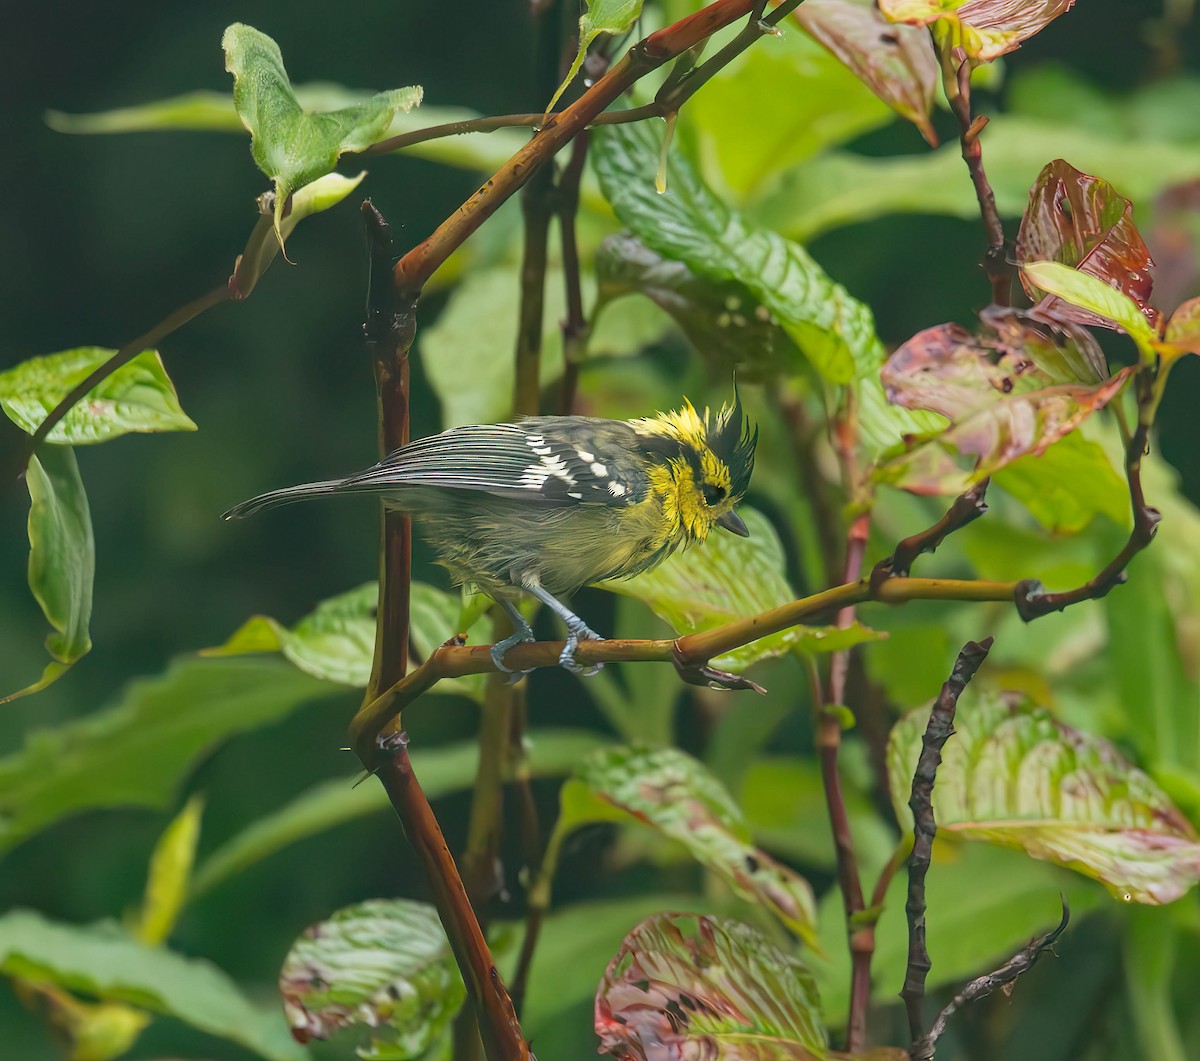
(937, 732)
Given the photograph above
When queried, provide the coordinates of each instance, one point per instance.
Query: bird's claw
(566, 658)
(498, 651)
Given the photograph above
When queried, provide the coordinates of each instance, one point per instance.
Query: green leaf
(290, 145)
(336, 641)
(1020, 779)
(170, 874)
(104, 961)
(676, 796)
(1094, 295)
(729, 578)
(896, 63)
(135, 752)
(687, 985)
(984, 29)
(385, 963)
(690, 224)
(62, 558)
(601, 16)
(1183, 329)
(137, 397)
(441, 770)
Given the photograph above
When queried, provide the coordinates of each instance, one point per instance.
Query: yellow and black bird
(549, 504)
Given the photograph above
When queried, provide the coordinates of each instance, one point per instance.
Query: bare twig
(937, 732)
(574, 325)
(967, 508)
(1020, 963)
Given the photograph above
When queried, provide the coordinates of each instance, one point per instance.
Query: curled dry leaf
(1082, 222)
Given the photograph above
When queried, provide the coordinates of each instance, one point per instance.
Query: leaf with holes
(685, 985)
(1014, 776)
(984, 29)
(385, 963)
(1081, 221)
(137, 397)
(732, 578)
(290, 145)
(895, 61)
(1010, 390)
(676, 796)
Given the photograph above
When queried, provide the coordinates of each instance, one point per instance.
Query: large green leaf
(676, 796)
(729, 578)
(689, 986)
(135, 753)
(62, 558)
(1020, 779)
(441, 770)
(137, 397)
(291, 145)
(104, 961)
(385, 963)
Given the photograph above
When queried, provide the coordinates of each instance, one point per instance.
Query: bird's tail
(283, 497)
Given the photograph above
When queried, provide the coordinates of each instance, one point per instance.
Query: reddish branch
(937, 732)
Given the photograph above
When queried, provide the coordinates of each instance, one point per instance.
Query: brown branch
(1022, 962)
(574, 325)
(937, 732)
(454, 659)
(1032, 599)
(956, 78)
(967, 508)
(390, 327)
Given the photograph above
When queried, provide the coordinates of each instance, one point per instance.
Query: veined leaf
(984, 29)
(692, 986)
(104, 961)
(1020, 779)
(385, 963)
(62, 559)
(676, 796)
(1095, 297)
(730, 578)
(137, 397)
(290, 145)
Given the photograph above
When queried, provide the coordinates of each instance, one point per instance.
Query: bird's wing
(550, 459)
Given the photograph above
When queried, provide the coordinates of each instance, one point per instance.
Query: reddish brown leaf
(684, 986)
(984, 29)
(1015, 388)
(1183, 329)
(894, 61)
(1081, 221)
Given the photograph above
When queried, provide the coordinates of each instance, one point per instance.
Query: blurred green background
(101, 236)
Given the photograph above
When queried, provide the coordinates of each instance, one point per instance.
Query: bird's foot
(566, 658)
(498, 650)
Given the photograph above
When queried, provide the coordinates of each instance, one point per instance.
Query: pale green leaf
(291, 145)
(1093, 294)
(62, 558)
(385, 963)
(170, 874)
(729, 578)
(677, 797)
(137, 397)
(600, 16)
(104, 961)
(983, 30)
(743, 998)
(1020, 779)
(135, 752)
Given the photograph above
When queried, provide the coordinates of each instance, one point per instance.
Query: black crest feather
(732, 438)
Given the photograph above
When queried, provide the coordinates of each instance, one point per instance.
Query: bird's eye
(713, 495)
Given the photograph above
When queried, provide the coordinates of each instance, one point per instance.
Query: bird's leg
(521, 633)
(577, 630)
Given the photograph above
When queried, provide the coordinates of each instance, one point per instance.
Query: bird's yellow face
(698, 488)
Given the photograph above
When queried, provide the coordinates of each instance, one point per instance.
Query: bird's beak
(732, 522)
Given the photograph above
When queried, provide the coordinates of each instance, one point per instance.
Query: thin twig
(937, 732)
(1020, 963)
(967, 508)
(574, 325)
